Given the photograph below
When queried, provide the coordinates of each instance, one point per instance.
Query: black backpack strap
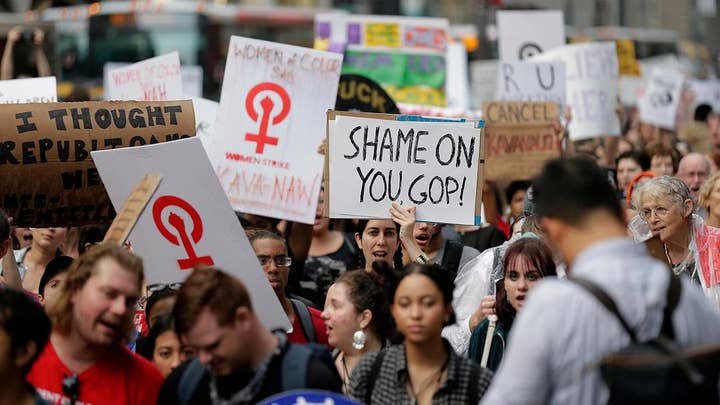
(374, 372)
(303, 314)
(606, 301)
(189, 381)
(673, 297)
(451, 256)
(294, 367)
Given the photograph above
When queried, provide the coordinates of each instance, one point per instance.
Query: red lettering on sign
(178, 223)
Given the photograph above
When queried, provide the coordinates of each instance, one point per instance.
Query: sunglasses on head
(157, 287)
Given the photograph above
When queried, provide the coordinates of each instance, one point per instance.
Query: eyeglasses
(71, 387)
(157, 287)
(660, 212)
(280, 261)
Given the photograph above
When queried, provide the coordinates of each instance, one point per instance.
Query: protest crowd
(330, 245)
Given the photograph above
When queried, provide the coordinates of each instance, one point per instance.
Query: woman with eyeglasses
(272, 253)
(691, 247)
(163, 347)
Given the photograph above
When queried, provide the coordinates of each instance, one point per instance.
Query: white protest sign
(154, 79)
(483, 78)
(659, 104)
(523, 34)
(707, 92)
(431, 165)
(591, 80)
(630, 88)
(205, 116)
(188, 221)
(192, 80)
(530, 81)
(22, 91)
(269, 126)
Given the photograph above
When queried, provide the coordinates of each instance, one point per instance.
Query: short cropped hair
(664, 186)
(23, 320)
(209, 288)
(570, 189)
(80, 272)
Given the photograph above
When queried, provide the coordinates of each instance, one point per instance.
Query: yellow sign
(382, 34)
(627, 64)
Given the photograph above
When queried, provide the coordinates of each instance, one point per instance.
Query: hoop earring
(359, 339)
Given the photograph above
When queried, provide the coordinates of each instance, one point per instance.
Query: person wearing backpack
(272, 253)
(239, 361)
(563, 338)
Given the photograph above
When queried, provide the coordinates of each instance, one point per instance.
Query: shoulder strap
(673, 297)
(350, 243)
(606, 301)
(294, 367)
(303, 314)
(452, 255)
(374, 372)
(189, 381)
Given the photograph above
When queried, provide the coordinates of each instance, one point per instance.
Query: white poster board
(269, 126)
(706, 92)
(523, 34)
(531, 81)
(483, 78)
(154, 79)
(205, 116)
(22, 91)
(659, 104)
(431, 165)
(188, 220)
(630, 89)
(591, 80)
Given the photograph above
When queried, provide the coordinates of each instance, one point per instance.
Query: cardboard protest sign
(46, 171)
(523, 34)
(520, 139)
(22, 91)
(627, 64)
(188, 221)
(358, 93)
(374, 162)
(270, 124)
(154, 79)
(591, 87)
(659, 104)
(405, 55)
(530, 81)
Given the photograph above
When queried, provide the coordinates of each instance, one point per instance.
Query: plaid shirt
(391, 381)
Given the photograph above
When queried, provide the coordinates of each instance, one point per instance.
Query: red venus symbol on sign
(267, 104)
(178, 223)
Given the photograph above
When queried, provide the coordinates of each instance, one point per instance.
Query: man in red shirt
(272, 252)
(86, 360)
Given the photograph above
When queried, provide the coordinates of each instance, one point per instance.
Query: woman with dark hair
(526, 262)
(628, 165)
(378, 240)
(357, 317)
(163, 347)
(424, 369)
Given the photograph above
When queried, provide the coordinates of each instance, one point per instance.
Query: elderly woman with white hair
(691, 247)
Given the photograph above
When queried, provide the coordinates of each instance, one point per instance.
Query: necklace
(679, 267)
(431, 381)
(346, 375)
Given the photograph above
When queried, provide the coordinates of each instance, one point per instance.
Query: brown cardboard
(132, 208)
(47, 173)
(331, 114)
(520, 138)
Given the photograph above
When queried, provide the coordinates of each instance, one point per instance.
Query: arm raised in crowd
(7, 65)
(43, 66)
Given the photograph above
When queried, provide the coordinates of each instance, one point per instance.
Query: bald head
(694, 169)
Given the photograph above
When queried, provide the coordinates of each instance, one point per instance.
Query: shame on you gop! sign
(270, 123)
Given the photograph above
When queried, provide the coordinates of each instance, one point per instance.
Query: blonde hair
(706, 190)
(80, 272)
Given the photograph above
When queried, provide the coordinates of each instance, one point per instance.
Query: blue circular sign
(308, 397)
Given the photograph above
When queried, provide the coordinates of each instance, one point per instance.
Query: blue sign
(308, 397)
